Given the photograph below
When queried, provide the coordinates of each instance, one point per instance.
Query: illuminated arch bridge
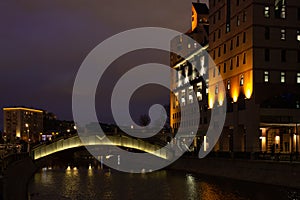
(123, 141)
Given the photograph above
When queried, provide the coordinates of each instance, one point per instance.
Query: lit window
(228, 85)
(282, 77)
(298, 77)
(298, 35)
(183, 97)
(189, 46)
(280, 9)
(266, 76)
(282, 37)
(242, 80)
(199, 91)
(267, 11)
(191, 90)
(217, 89)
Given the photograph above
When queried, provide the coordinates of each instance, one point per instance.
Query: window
(228, 84)
(219, 33)
(298, 56)
(219, 15)
(217, 89)
(267, 54)
(214, 54)
(280, 9)
(282, 77)
(231, 64)
(224, 48)
(219, 52)
(214, 19)
(199, 91)
(189, 45)
(241, 80)
(283, 55)
(238, 21)
(266, 76)
(191, 91)
(219, 70)
(224, 67)
(244, 59)
(244, 16)
(298, 35)
(237, 2)
(227, 28)
(231, 44)
(237, 61)
(244, 37)
(298, 77)
(214, 72)
(267, 11)
(298, 13)
(282, 35)
(267, 33)
(214, 36)
(237, 41)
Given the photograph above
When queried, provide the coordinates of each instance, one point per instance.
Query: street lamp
(28, 140)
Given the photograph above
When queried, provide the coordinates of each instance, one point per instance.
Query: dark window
(219, 15)
(237, 2)
(244, 16)
(298, 13)
(224, 68)
(219, 34)
(238, 41)
(244, 37)
(224, 48)
(231, 65)
(219, 52)
(298, 56)
(237, 61)
(267, 54)
(283, 55)
(214, 37)
(267, 33)
(244, 59)
(231, 44)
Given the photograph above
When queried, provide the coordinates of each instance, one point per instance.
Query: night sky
(43, 43)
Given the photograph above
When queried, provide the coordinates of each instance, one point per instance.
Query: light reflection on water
(85, 184)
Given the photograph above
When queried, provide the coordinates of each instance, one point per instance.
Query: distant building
(23, 123)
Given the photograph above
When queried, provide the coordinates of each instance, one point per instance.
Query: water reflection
(92, 183)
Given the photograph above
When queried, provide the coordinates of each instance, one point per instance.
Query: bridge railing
(116, 140)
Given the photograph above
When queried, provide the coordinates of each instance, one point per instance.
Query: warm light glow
(248, 86)
(204, 143)
(90, 167)
(194, 18)
(277, 139)
(68, 168)
(26, 109)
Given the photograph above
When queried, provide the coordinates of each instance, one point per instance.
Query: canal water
(104, 184)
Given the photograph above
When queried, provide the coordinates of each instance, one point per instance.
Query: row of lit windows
(282, 77)
(228, 84)
(279, 11)
(231, 45)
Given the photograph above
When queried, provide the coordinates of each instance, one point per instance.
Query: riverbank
(15, 179)
(269, 172)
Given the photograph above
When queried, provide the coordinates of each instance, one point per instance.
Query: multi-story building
(256, 48)
(190, 75)
(23, 123)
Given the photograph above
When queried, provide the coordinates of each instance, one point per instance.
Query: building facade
(190, 76)
(23, 123)
(255, 46)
